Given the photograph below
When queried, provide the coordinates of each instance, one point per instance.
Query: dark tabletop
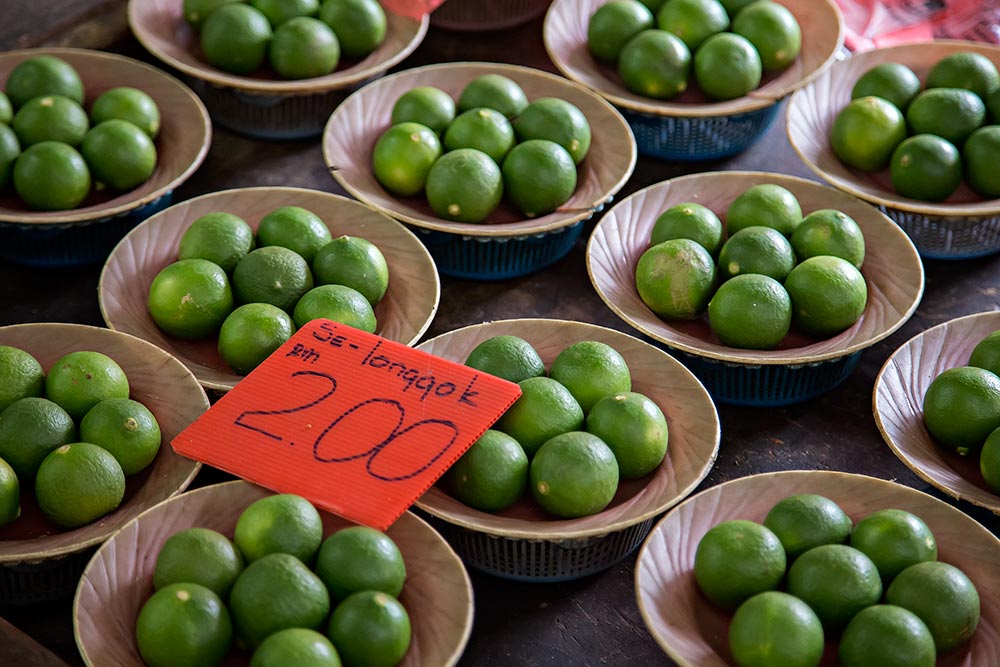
(593, 621)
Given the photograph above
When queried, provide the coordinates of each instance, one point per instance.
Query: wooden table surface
(593, 621)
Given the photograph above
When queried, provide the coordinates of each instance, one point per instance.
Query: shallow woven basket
(86, 235)
(403, 314)
(505, 244)
(482, 15)
(694, 633)
(268, 108)
(38, 562)
(119, 579)
(964, 226)
(801, 368)
(691, 127)
(522, 542)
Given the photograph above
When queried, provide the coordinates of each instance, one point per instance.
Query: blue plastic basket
(940, 237)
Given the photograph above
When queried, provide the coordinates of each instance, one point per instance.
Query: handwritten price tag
(359, 425)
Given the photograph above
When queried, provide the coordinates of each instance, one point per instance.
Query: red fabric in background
(414, 8)
(875, 23)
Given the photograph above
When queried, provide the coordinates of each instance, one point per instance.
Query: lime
(676, 279)
(338, 303)
(129, 104)
(634, 427)
(10, 494)
(866, 132)
(303, 48)
(972, 71)
(653, 5)
(727, 66)
(950, 113)
(829, 232)
(50, 118)
(574, 474)
(190, 298)
(750, 311)
(734, 6)
(655, 63)
(509, 357)
(989, 461)
(773, 31)
(31, 428)
(426, 105)
(736, 560)
(360, 558)
(993, 106)
(464, 185)
(689, 221)
(979, 150)
(539, 176)
(894, 540)
(613, 25)
(197, 11)
(21, 376)
(484, 129)
(354, 262)
(926, 167)
(80, 380)
(282, 523)
(43, 75)
(765, 205)
(893, 82)
(828, 295)
(295, 228)
(51, 176)
(942, 596)
(986, 353)
(126, 428)
(10, 150)
(762, 250)
(807, 520)
(693, 21)
(221, 238)
(403, 156)
(78, 483)
(544, 410)
(274, 275)
(962, 408)
(360, 25)
(6, 109)
(370, 628)
(295, 646)
(591, 370)
(199, 556)
(183, 624)
(886, 636)
(279, 12)
(120, 155)
(235, 38)
(837, 581)
(557, 120)
(492, 474)
(493, 91)
(774, 629)
(251, 333)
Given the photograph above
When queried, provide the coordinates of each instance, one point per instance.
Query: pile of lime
(773, 268)
(962, 408)
(52, 152)
(733, 43)
(878, 585)
(498, 144)
(255, 292)
(299, 39)
(272, 588)
(930, 135)
(570, 436)
(74, 435)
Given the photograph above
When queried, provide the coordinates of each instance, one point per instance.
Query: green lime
(750, 311)
(828, 295)
(10, 150)
(190, 298)
(484, 129)
(10, 494)
(950, 113)
(544, 410)
(279, 12)
(676, 279)
(282, 523)
(986, 353)
(634, 427)
(557, 120)
(736, 560)
(251, 333)
(274, 275)
(591, 370)
(359, 558)
(693, 21)
(338, 303)
(370, 628)
(942, 596)
(727, 66)
(979, 152)
(464, 185)
(360, 25)
(79, 483)
(893, 82)
(689, 221)
(509, 357)
(51, 118)
(426, 105)
(989, 461)
(198, 556)
(539, 176)
(197, 11)
(235, 38)
(183, 624)
(303, 48)
(653, 5)
(993, 106)
(773, 31)
(829, 232)
(492, 475)
(886, 636)
(120, 155)
(51, 176)
(295, 646)
(295, 228)
(6, 109)
(894, 540)
(221, 238)
(866, 132)
(30, 429)
(762, 250)
(971, 71)
(354, 262)
(43, 75)
(403, 157)
(765, 205)
(926, 167)
(734, 6)
(806, 520)
(493, 91)
(80, 380)
(129, 104)
(574, 474)
(126, 428)
(613, 25)
(21, 376)
(774, 629)
(837, 581)
(962, 407)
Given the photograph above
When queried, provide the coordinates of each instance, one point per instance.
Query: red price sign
(415, 9)
(359, 425)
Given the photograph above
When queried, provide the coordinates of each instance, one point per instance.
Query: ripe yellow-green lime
(634, 427)
(403, 156)
(774, 629)
(221, 238)
(283, 523)
(761, 250)
(807, 520)
(989, 461)
(943, 597)
(464, 185)
(492, 474)
(51, 176)
(360, 25)
(964, 69)
(894, 540)
(354, 262)
(887, 636)
(544, 410)
(251, 334)
(183, 624)
(591, 370)
(736, 560)
(190, 298)
(828, 295)
(120, 155)
(295, 228)
(750, 311)
(235, 38)
(10, 494)
(426, 105)
(676, 279)
(196, 11)
(926, 167)
(80, 380)
(50, 118)
(986, 353)
(950, 113)
(980, 149)
(278, 12)
(655, 63)
(829, 232)
(894, 82)
(296, 646)
(509, 357)
(200, 556)
(574, 474)
(773, 31)
(484, 129)
(837, 581)
(557, 120)
(764, 205)
(31, 428)
(21, 376)
(6, 109)
(493, 91)
(613, 25)
(866, 132)
(131, 104)
(689, 221)
(539, 176)
(126, 429)
(78, 483)
(274, 275)
(43, 75)
(370, 628)
(693, 21)
(338, 303)
(727, 66)
(10, 150)
(359, 558)
(303, 48)
(962, 408)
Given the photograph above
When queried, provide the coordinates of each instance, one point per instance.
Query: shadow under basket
(480, 15)
(45, 581)
(941, 237)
